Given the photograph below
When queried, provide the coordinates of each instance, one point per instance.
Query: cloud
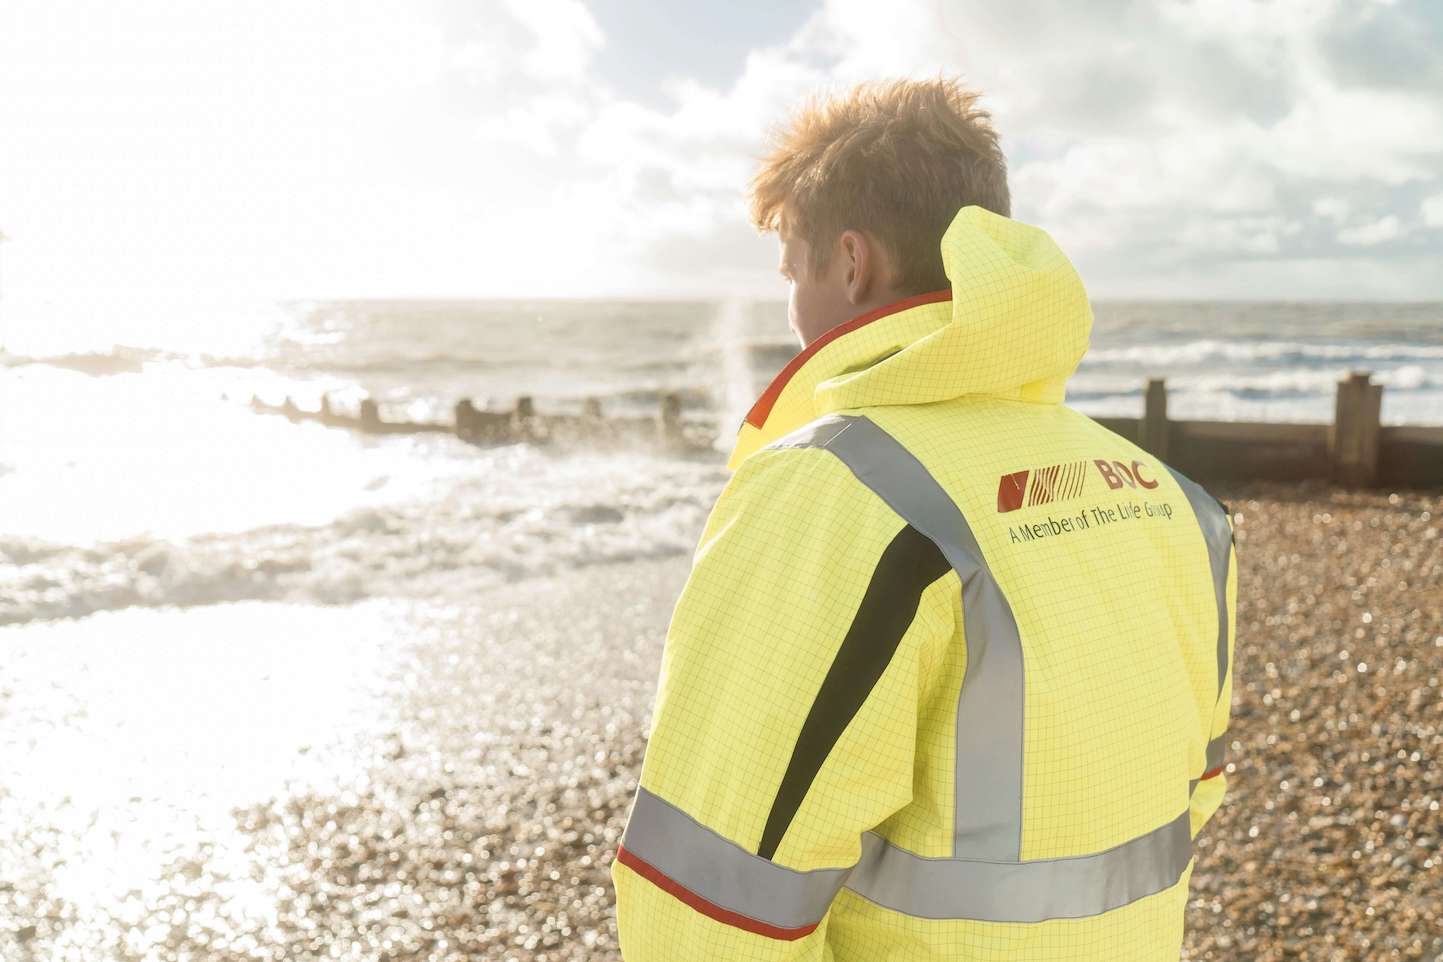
(565, 33)
(378, 147)
(1376, 232)
(1333, 208)
(1189, 140)
(459, 147)
(1431, 210)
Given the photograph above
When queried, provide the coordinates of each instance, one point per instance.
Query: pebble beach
(471, 809)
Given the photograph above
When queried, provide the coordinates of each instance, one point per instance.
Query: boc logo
(1117, 474)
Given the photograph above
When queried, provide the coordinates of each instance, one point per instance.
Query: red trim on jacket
(1213, 772)
(711, 909)
(763, 407)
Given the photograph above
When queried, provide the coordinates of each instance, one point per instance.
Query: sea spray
(735, 386)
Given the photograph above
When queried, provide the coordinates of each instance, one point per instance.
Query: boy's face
(815, 304)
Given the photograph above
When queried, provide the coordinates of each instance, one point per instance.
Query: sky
(1230, 149)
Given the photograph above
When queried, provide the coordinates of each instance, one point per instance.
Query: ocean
(132, 474)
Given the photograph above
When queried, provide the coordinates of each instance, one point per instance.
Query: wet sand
(465, 797)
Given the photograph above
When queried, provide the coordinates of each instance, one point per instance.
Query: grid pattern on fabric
(1207, 798)
(655, 927)
(784, 561)
(1118, 618)
(1021, 323)
(858, 349)
(1119, 632)
(1147, 930)
(787, 554)
(846, 792)
(718, 715)
(925, 825)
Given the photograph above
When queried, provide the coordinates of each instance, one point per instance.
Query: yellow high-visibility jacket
(950, 677)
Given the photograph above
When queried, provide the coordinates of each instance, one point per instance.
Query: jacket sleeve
(786, 713)
(1207, 796)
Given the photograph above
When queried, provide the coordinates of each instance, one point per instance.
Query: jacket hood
(1014, 323)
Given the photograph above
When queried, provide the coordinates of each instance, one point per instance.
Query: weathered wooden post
(592, 426)
(668, 420)
(370, 416)
(1152, 430)
(1356, 429)
(327, 415)
(465, 419)
(523, 419)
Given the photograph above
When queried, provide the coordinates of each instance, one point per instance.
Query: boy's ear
(858, 255)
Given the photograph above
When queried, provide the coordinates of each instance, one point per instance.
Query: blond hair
(894, 158)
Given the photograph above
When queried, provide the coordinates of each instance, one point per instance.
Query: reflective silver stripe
(736, 879)
(721, 871)
(1218, 535)
(1217, 752)
(988, 812)
(1031, 891)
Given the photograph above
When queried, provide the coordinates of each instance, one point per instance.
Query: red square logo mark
(1010, 490)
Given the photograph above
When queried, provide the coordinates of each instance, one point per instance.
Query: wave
(422, 549)
(118, 360)
(1274, 352)
(765, 353)
(368, 365)
(127, 359)
(1296, 383)
(1279, 382)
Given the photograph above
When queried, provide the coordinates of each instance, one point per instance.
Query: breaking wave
(1271, 352)
(418, 550)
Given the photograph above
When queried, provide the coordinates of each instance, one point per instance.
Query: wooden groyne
(666, 431)
(1355, 450)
